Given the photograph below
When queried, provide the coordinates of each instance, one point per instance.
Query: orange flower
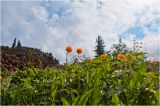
(103, 56)
(69, 49)
(120, 56)
(91, 60)
(154, 62)
(79, 50)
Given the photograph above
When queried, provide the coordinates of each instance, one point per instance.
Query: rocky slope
(19, 58)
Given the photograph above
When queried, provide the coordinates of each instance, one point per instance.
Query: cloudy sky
(51, 25)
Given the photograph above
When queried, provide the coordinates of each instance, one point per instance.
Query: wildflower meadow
(127, 79)
(80, 52)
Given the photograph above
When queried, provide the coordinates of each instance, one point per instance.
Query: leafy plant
(104, 81)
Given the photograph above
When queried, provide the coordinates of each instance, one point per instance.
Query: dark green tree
(99, 46)
(119, 48)
(18, 44)
(14, 43)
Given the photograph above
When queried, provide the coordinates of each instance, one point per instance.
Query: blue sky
(51, 25)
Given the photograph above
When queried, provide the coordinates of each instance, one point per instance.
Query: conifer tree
(14, 43)
(99, 46)
(18, 44)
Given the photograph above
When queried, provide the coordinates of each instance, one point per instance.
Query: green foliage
(102, 82)
(99, 46)
(65, 101)
(119, 48)
(115, 98)
(84, 97)
(96, 96)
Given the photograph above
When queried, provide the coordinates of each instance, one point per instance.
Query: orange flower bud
(91, 60)
(154, 62)
(69, 49)
(120, 56)
(79, 50)
(103, 56)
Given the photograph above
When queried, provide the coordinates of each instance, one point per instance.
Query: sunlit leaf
(115, 99)
(64, 101)
(85, 97)
(76, 100)
(96, 96)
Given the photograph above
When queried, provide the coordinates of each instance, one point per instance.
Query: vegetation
(99, 46)
(14, 43)
(101, 81)
(18, 44)
(122, 79)
(119, 48)
(21, 57)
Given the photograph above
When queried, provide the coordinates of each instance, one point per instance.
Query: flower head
(103, 56)
(69, 49)
(154, 62)
(120, 56)
(79, 50)
(91, 60)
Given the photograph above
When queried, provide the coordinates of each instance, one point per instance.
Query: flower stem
(66, 58)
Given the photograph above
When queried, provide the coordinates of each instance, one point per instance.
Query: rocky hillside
(21, 57)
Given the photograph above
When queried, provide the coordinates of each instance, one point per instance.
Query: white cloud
(77, 23)
(40, 13)
(151, 46)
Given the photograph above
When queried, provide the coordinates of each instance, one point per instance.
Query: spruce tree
(18, 44)
(99, 46)
(14, 43)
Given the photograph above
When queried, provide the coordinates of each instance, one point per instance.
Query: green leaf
(157, 95)
(97, 61)
(131, 84)
(96, 96)
(54, 91)
(142, 66)
(87, 77)
(85, 97)
(64, 101)
(147, 74)
(115, 99)
(75, 102)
